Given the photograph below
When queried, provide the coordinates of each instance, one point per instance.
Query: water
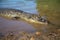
(11, 25)
(25, 5)
(15, 26)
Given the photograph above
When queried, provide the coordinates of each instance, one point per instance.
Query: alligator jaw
(15, 14)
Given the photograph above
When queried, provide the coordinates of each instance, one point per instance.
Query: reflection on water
(10, 25)
(25, 5)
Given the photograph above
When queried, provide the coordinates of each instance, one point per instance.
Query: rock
(32, 38)
(38, 33)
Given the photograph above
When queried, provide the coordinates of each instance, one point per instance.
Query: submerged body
(18, 14)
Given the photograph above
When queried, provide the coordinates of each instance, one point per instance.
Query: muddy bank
(29, 36)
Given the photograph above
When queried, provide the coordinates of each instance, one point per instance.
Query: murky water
(11, 25)
(15, 26)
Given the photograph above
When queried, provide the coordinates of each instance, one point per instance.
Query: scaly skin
(18, 14)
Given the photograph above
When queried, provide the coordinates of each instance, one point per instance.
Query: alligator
(19, 14)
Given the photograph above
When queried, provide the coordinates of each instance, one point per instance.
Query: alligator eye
(16, 18)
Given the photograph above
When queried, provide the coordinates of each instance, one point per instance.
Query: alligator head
(18, 14)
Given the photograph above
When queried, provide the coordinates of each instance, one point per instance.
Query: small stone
(38, 33)
(32, 38)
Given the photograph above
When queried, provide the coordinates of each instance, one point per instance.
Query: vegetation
(50, 8)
